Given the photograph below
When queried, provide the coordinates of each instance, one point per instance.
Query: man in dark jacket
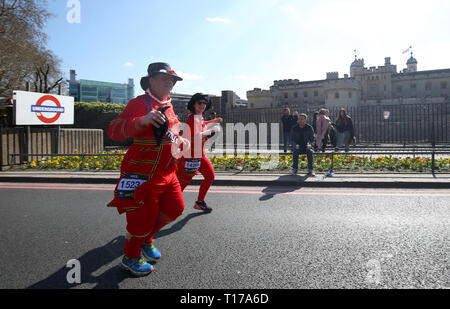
(302, 141)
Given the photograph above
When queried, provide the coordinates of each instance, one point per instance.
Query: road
(256, 238)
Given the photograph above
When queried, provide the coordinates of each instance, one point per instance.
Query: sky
(243, 44)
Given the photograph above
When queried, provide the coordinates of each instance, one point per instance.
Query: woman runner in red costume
(198, 134)
(148, 190)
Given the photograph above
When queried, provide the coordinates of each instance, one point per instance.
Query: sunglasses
(202, 102)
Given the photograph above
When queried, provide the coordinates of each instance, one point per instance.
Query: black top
(343, 126)
(288, 122)
(302, 136)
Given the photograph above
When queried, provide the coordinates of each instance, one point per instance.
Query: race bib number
(128, 184)
(192, 165)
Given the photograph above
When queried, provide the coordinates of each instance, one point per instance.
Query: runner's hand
(154, 118)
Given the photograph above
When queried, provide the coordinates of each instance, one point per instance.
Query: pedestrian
(148, 190)
(323, 123)
(294, 118)
(197, 161)
(344, 126)
(213, 116)
(314, 123)
(287, 121)
(302, 140)
(314, 126)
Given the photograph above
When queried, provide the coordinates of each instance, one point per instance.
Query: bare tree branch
(23, 55)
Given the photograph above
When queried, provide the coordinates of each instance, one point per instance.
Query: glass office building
(95, 91)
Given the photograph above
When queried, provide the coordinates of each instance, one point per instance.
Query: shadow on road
(178, 226)
(91, 262)
(271, 191)
(97, 258)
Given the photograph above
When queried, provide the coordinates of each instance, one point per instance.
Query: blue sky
(244, 44)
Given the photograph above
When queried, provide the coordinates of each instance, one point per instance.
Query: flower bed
(110, 162)
(259, 163)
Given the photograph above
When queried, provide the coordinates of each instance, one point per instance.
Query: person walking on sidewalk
(197, 161)
(288, 122)
(323, 123)
(148, 190)
(344, 126)
(302, 140)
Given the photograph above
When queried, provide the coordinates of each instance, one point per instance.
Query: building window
(336, 95)
(286, 95)
(349, 94)
(428, 86)
(316, 93)
(443, 85)
(305, 94)
(295, 95)
(413, 86)
(399, 89)
(373, 89)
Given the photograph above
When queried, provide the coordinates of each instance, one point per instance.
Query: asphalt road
(255, 238)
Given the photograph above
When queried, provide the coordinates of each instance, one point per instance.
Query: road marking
(247, 190)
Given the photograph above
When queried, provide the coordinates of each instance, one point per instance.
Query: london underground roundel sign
(32, 108)
(42, 110)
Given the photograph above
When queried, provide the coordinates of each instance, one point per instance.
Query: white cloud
(219, 20)
(187, 76)
(128, 64)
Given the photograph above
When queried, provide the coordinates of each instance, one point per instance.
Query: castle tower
(356, 67)
(412, 64)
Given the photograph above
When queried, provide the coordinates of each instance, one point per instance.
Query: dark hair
(342, 118)
(197, 97)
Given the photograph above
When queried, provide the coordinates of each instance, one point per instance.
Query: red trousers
(206, 169)
(163, 204)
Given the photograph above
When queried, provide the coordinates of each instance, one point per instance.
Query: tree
(23, 55)
(45, 77)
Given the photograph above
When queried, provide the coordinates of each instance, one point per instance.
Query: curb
(311, 182)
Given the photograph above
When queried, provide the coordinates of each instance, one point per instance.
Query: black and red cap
(155, 69)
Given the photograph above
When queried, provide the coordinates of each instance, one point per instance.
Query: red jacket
(195, 137)
(144, 158)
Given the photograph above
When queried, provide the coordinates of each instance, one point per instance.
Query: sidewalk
(249, 179)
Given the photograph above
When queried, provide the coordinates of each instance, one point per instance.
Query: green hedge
(98, 116)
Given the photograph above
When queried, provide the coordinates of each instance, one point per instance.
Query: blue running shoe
(150, 252)
(138, 267)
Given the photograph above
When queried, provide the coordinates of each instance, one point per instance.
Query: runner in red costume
(198, 135)
(148, 191)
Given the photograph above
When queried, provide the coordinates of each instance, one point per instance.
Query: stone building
(381, 85)
(228, 101)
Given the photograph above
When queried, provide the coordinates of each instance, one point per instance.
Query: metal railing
(431, 153)
(393, 151)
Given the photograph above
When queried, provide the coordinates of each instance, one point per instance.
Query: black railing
(367, 152)
(402, 124)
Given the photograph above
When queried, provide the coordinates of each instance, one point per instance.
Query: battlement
(332, 75)
(258, 92)
(286, 82)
